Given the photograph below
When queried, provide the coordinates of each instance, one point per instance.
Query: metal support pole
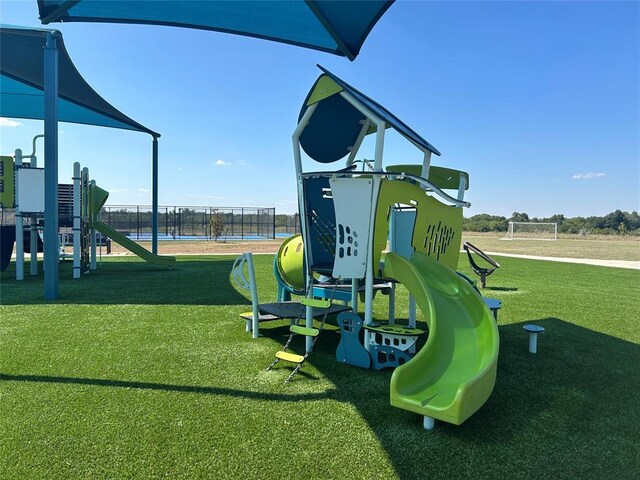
(33, 229)
(354, 295)
(51, 291)
(93, 240)
(412, 311)
(76, 220)
(426, 165)
(19, 222)
(154, 198)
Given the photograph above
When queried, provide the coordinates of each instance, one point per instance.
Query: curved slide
(452, 376)
(133, 247)
(97, 198)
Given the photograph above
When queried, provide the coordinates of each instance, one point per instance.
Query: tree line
(614, 223)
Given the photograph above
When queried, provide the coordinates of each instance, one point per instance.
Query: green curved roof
(336, 123)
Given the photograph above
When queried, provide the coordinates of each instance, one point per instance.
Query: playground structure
(348, 215)
(79, 207)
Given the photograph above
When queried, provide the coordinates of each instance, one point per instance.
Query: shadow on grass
(572, 405)
(98, 382)
(570, 397)
(500, 289)
(203, 281)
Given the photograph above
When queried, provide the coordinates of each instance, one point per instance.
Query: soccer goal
(532, 231)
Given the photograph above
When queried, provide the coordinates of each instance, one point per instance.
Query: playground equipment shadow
(568, 403)
(131, 281)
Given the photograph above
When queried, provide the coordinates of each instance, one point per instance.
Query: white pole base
(429, 423)
(533, 343)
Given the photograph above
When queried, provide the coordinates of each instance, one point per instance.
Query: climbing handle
(237, 272)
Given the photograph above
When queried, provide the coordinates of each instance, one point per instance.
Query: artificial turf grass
(125, 387)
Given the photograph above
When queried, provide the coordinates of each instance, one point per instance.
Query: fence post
(137, 222)
(242, 223)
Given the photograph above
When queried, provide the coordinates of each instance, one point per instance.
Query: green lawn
(140, 372)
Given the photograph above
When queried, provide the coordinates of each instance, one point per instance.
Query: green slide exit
(97, 198)
(133, 247)
(453, 375)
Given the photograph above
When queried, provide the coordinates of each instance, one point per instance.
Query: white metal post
(50, 265)
(76, 220)
(19, 222)
(33, 228)
(368, 292)
(297, 156)
(377, 166)
(354, 295)
(426, 165)
(93, 234)
(366, 123)
(412, 311)
(462, 186)
(255, 314)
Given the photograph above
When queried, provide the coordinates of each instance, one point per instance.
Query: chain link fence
(197, 223)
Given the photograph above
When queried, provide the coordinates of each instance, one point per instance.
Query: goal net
(532, 231)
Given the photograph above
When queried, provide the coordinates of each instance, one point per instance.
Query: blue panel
(333, 129)
(18, 100)
(320, 221)
(22, 87)
(338, 27)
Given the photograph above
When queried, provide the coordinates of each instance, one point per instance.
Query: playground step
(307, 332)
(290, 357)
(315, 303)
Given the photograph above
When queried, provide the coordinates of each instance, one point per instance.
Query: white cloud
(242, 162)
(144, 190)
(5, 122)
(116, 190)
(179, 169)
(588, 175)
(222, 163)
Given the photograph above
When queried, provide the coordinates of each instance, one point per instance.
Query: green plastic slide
(453, 375)
(97, 198)
(133, 247)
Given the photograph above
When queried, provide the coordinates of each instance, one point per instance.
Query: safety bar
(394, 176)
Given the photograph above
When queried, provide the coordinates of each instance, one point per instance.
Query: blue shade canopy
(336, 123)
(22, 84)
(333, 26)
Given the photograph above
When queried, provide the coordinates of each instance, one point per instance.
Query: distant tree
(519, 217)
(216, 225)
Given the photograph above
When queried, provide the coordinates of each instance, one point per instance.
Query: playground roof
(338, 27)
(336, 122)
(22, 84)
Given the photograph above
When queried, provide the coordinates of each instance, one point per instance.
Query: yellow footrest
(290, 357)
(315, 302)
(307, 332)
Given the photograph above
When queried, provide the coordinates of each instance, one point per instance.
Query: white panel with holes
(352, 200)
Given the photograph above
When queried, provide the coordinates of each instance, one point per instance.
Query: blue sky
(538, 101)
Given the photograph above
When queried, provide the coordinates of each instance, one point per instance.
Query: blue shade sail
(22, 84)
(333, 26)
(336, 123)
